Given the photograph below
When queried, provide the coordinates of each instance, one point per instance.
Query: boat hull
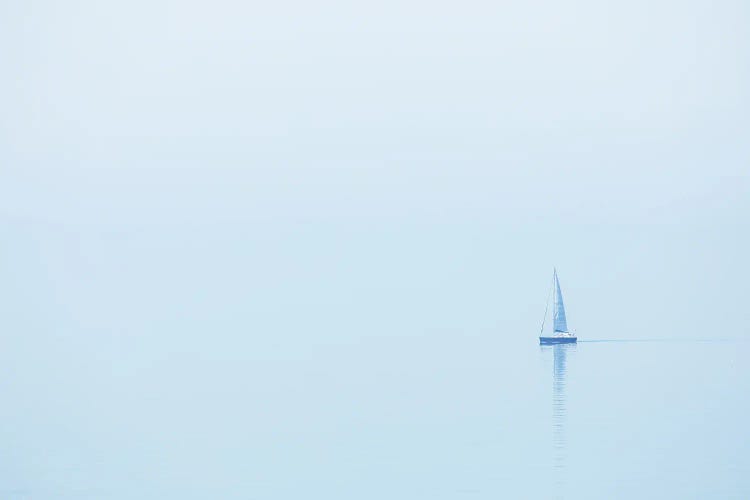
(557, 340)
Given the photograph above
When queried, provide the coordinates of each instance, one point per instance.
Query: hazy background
(235, 233)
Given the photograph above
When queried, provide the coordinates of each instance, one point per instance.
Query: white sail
(559, 323)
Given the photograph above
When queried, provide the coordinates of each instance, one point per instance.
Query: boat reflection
(560, 354)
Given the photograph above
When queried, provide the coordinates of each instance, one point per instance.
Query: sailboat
(560, 333)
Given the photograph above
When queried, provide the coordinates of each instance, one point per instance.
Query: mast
(546, 306)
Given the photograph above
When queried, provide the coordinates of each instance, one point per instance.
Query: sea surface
(447, 415)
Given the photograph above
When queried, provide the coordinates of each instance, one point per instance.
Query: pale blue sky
(273, 182)
(465, 147)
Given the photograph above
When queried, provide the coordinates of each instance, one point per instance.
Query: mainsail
(559, 323)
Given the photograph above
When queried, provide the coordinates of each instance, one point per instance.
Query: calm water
(446, 415)
(647, 419)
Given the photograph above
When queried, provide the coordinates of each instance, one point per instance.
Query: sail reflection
(560, 353)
